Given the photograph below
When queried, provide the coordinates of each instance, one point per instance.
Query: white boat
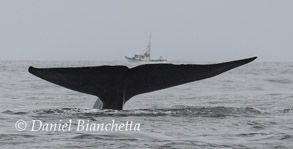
(146, 56)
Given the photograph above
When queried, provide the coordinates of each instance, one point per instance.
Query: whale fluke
(115, 85)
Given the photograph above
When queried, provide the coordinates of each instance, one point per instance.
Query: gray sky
(182, 30)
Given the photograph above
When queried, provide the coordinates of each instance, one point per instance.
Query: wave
(131, 136)
(219, 111)
(5, 137)
(14, 113)
(280, 81)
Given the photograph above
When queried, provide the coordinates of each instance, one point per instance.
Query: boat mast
(149, 46)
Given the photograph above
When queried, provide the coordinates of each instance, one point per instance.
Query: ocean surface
(248, 107)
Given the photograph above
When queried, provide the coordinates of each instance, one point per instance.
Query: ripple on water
(280, 81)
(9, 137)
(175, 111)
(14, 113)
(255, 125)
(284, 137)
(102, 137)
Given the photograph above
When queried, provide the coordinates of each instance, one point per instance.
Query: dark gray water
(248, 107)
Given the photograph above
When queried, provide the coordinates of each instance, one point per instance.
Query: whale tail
(115, 85)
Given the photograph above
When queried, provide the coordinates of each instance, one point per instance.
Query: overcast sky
(182, 30)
